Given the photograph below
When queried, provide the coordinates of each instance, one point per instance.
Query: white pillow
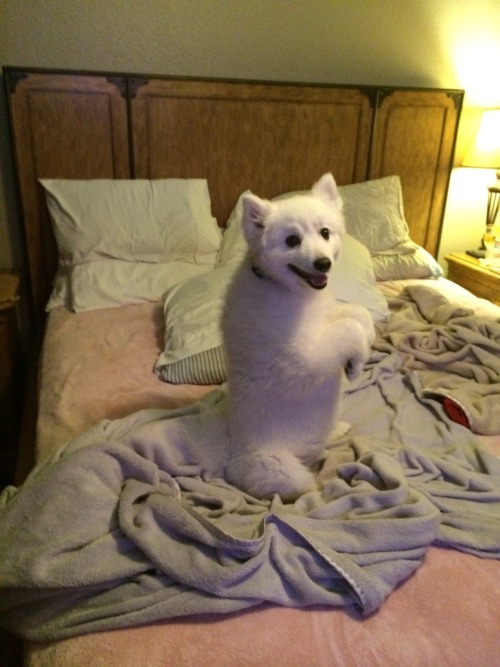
(353, 279)
(408, 260)
(158, 221)
(113, 282)
(374, 213)
(193, 350)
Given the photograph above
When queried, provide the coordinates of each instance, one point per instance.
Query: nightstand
(468, 272)
(10, 372)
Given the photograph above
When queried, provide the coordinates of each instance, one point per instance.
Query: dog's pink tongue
(318, 279)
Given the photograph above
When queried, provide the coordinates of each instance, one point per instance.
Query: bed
(125, 545)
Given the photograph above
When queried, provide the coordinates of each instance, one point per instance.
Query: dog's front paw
(362, 316)
(354, 365)
(340, 429)
(357, 350)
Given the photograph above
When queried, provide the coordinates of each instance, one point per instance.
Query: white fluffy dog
(288, 343)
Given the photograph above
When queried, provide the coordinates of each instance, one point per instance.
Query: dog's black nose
(322, 264)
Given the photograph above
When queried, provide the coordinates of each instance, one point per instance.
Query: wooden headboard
(269, 137)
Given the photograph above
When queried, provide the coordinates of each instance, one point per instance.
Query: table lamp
(485, 154)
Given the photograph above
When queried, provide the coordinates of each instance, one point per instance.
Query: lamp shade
(486, 150)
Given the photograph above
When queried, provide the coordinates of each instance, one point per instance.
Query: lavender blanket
(133, 522)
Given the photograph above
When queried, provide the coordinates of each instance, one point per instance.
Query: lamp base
(478, 254)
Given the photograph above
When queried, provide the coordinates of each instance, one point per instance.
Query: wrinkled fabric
(133, 521)
(454, 354)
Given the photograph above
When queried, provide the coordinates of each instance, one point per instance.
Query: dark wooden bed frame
(269, 137)
(266, 136)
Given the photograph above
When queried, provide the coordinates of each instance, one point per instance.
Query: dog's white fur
(288, 342)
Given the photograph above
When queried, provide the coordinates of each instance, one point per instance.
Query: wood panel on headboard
(270, 138)
(63, 126)
(267, 137)
(414, 137)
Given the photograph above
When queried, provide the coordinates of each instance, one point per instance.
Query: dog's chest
(290, 317)
(264, 319)
(272, 328)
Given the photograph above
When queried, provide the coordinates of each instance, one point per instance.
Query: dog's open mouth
(315, 280)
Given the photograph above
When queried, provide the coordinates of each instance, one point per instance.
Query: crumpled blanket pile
(133, 521)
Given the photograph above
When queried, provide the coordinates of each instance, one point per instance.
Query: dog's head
(296, 240)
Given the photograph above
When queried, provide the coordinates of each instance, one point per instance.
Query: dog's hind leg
(263, 474)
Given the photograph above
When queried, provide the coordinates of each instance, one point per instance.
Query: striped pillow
(193, 352)
(208, 367)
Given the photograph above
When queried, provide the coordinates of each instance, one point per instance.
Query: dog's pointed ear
(255, 210)
(326, 189)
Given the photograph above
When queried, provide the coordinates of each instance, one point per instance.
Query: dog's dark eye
(325, 233)
(293, 240)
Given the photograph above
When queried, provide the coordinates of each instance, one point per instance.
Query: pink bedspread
(447, 613)
(100, 365)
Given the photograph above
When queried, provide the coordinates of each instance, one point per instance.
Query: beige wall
(444, 43)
